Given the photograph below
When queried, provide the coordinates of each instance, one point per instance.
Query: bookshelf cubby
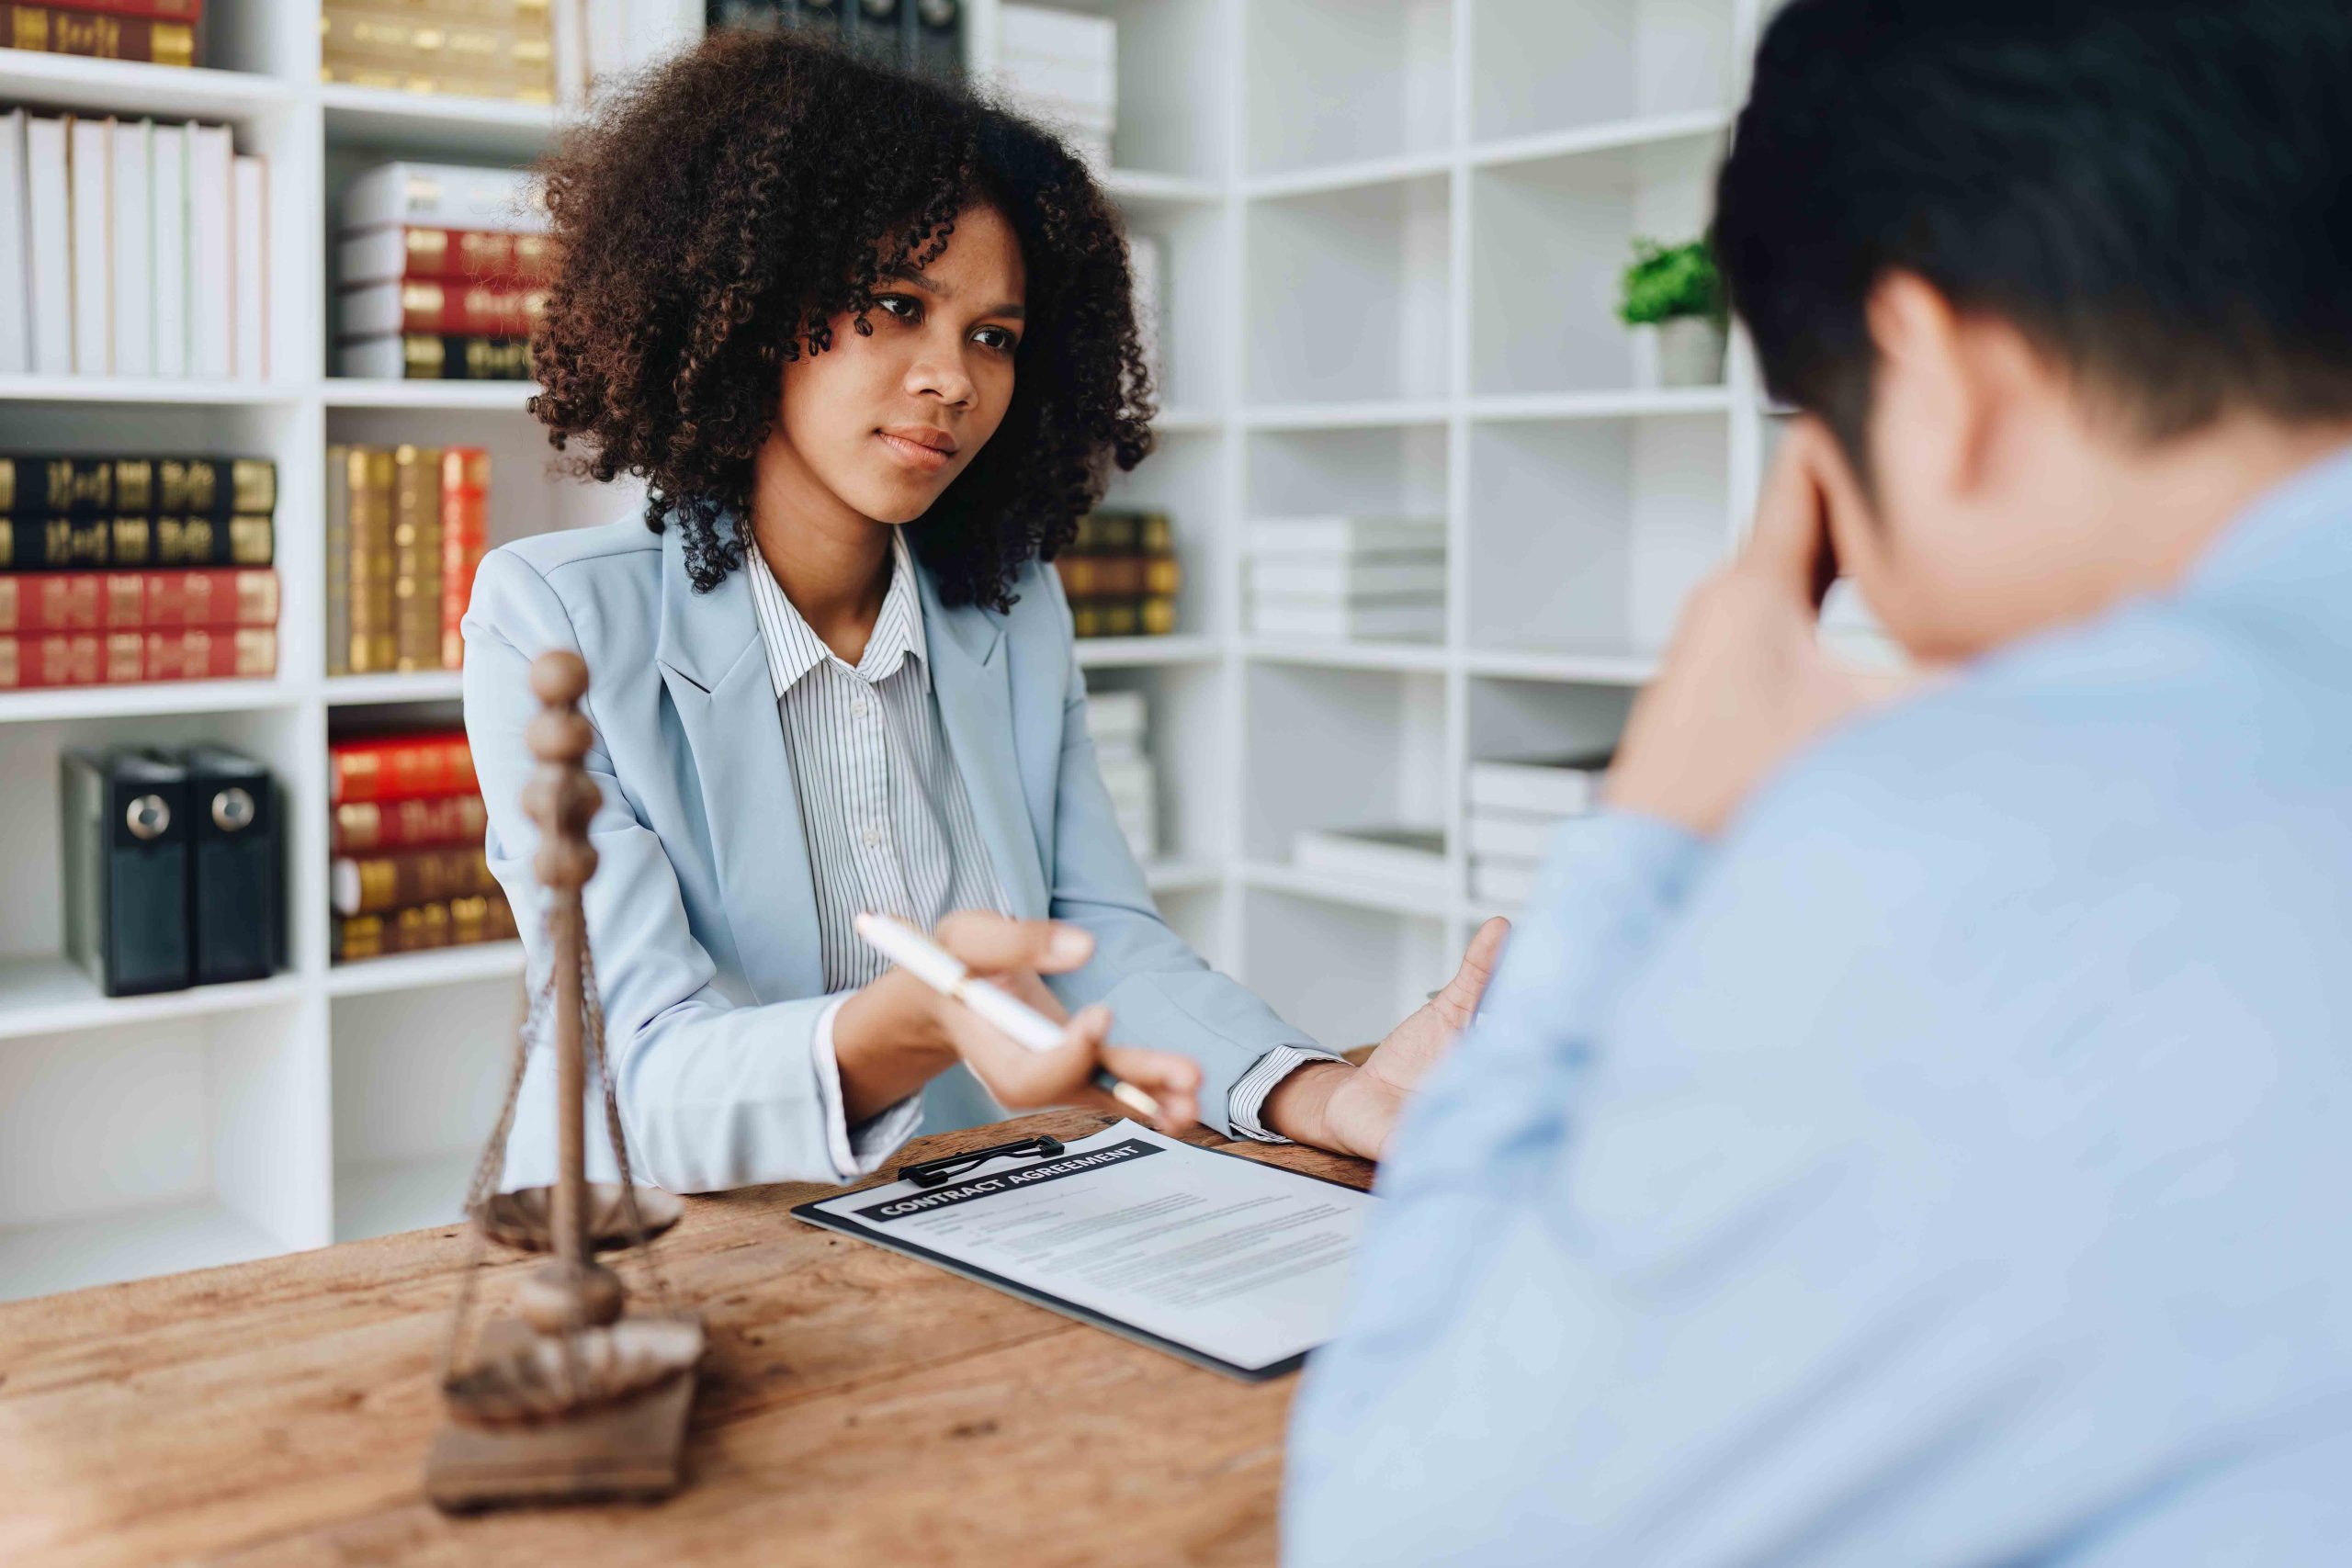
(1392, 232)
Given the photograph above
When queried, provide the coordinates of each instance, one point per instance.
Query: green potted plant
(1676, 292)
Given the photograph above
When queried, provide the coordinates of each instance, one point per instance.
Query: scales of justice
(577, 1398)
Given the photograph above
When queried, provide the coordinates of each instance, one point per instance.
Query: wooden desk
(856, 1408)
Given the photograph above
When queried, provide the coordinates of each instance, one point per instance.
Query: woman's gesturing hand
(897, 1025)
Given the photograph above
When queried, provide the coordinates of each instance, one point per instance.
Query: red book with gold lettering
(114, 658)
(465, 534)
(400, 767)
(137, 601)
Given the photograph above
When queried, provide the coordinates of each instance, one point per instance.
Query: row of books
(132, 568)
(911, 34)
(1120, 575)
(483, 49)
(408, 871)
(1120, 724)
(173, 867)
(130, 248)
(530, 52)
(159, 32)
(405, 530)
(444, 271)
(1345, 577)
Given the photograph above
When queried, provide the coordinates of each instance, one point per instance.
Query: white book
(1295, 535)
(569, 37)
(444, 195)
(1130, 781)
(92, 170)
(1310, 619)
(655, 30)
(167, 181)
(1141, 830)
(1114, 716)
(134, 251)
(1552, 786)
(1343, 577)
(49, 232)
(1511, 837)
(1501, 884)
(212, 285)
(1407, 854)
(1041, 32)
(15, 283)
(250, 245)
(16, 277)
(378, 358)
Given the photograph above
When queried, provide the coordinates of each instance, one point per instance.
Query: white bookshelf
(1393, 229)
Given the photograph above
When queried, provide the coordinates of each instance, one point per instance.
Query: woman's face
(884, 422)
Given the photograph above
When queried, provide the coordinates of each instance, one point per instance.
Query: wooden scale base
(629, 1451)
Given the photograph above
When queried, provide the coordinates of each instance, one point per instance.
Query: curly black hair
(715, 217)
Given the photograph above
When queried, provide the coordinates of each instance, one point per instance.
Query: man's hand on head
(1746, 682)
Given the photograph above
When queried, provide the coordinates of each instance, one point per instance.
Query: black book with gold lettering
(42, 486)
(77, 543)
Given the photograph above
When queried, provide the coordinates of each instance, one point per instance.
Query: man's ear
(1929, 413)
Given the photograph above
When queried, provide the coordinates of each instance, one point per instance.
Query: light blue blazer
(702, 915)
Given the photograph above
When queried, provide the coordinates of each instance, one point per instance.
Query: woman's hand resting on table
(894, 1034)
(1352, 1110)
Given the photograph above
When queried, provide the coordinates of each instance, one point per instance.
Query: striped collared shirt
(882, 805)
(887, 822)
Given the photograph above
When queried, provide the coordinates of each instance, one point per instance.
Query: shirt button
(859, 708)
(873, 838)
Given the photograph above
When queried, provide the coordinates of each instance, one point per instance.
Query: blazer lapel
(717, 671)
(972, 678)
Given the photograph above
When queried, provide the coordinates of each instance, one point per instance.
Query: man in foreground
(1916, 1132)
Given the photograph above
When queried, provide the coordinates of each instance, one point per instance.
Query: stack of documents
(1235, 1266)
(1346, 576)
(1516, 807)
(1120, 723)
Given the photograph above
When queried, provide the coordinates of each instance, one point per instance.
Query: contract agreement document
(1233, 1264)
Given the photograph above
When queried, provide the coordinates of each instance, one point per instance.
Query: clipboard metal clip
(933, 1172)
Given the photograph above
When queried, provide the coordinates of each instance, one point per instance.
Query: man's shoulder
(2156, 720)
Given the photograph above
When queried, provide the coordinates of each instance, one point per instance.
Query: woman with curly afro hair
(868, 343)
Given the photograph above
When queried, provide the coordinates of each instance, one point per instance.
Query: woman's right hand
(896, 1033)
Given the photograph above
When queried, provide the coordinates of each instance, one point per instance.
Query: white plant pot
(1690, 352)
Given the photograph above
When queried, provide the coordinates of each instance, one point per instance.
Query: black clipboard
(811, 1213)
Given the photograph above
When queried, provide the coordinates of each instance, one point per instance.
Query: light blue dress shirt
(1952, 1164)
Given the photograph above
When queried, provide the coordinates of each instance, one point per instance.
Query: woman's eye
(901, 306)
(996, 338)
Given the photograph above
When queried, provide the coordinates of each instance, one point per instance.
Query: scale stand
(574, 1400)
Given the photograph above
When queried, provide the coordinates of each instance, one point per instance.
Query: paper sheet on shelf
(1233, 1265)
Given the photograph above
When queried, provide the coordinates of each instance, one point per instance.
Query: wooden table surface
(855, 1408)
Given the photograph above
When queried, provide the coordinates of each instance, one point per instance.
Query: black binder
(125, 841)
(236, 906)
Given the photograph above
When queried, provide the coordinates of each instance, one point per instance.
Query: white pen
(944, 973)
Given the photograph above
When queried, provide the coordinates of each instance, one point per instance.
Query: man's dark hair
(716, 218)
(2156, 193)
